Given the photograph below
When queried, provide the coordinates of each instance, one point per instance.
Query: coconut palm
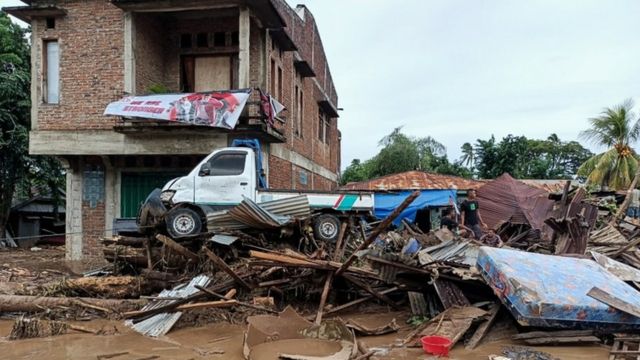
(616, 128)
(468, 156)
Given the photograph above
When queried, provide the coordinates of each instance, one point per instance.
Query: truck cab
(223, 179)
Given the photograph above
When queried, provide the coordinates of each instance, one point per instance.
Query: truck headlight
(167, 195)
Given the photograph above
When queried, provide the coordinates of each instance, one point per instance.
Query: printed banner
(218, 108)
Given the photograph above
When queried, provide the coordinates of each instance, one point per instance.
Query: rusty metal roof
(506, 199)
(414, 180)
(552, 186)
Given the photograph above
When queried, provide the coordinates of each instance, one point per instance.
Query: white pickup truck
(222, 180)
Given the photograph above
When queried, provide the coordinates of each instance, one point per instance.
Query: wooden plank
(368, 289)
(327, 283)
(625, 248)
(616, 346)
(563, 340)
(206, 305)
(178, 248)
(544, 334)
(359, 301)
(224, 267)
(380, 228)
(613, 301)
(483, 328)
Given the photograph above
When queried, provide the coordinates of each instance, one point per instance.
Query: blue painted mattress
(551, 291)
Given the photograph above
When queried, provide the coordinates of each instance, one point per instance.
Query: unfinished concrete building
(88, 53)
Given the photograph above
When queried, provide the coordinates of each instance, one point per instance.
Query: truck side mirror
(205, 170)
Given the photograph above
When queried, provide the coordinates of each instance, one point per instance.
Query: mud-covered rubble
(156, 283)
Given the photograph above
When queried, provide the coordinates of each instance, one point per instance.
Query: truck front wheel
(326, 228)
(183, 222)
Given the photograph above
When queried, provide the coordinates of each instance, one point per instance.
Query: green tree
(356, 171)
(400, 153)
(468, 156)
(616, 128)
(524, 158)
(18, 171)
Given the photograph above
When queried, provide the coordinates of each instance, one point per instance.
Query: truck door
(224, 179)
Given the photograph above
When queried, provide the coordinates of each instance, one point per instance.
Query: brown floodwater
(224, 341)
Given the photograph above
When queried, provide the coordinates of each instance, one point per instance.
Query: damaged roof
(414, 180)
(506, 199)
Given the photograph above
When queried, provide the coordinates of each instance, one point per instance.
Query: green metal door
(135, 187)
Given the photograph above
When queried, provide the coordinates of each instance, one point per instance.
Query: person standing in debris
(470, 214)
(634, 206)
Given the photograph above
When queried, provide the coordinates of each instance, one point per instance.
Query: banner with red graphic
(217, 108)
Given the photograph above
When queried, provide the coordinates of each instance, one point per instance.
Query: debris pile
(561, 273)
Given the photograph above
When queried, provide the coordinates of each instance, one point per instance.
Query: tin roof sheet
(414, 180)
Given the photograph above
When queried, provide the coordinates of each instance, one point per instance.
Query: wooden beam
(219, 263)
(327, 282)
(206, 305)
(483, 328)
(367, 288)
(178, 248)
(625, 247)
(380, 228)
(360, 301)
(613, 301)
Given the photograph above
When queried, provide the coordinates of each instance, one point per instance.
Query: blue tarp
(385, 203)
(551, 291)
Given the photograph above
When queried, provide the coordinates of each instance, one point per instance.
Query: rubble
(565, 274)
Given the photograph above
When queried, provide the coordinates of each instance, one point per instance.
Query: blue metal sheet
(551, 291)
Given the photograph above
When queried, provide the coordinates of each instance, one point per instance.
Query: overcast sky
(462, 70)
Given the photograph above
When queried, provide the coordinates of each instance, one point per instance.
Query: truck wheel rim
(184, 224)
(328, 229)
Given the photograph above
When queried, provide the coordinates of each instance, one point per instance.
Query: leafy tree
(356, 171)
(523, 158)
(17, 169)
(468, 156)
(400, 153)
(616, 128)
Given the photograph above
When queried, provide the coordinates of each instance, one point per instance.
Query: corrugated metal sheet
(551, 291)
(455, 251)
(252, 215)
(296, 207)
(414, 180)
(551, 186)
(160, 324)
(506, 199)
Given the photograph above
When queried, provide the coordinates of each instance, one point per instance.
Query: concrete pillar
(36, 60)
(110, 195)
(73, 209)
(129, 53)
(244, 34)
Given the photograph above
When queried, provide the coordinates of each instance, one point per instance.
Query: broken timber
(224, 267)
(613, 301)
(380, 228)
(327, 282)
(178, 248)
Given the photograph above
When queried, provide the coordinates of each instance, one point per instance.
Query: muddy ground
(29, 272)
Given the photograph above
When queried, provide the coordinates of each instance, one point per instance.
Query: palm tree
(616, 128)
(468, 156)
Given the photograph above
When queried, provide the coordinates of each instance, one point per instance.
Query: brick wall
(279, 173)
(91, 45)
(93, 215)
(150, 50)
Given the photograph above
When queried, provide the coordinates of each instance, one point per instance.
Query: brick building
(88, 53)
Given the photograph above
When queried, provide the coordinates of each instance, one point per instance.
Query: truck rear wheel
(326, 228)
(183, 222)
